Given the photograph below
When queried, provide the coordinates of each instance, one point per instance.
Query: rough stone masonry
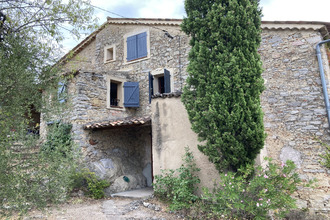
(294, 112)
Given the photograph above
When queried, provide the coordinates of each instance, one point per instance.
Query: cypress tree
(222, 94)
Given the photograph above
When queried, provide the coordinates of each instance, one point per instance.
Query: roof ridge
(325, 29)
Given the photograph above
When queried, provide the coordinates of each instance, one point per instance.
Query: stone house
(127, 117)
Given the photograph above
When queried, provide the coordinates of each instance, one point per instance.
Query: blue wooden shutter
(131, 94)
(167, 81)
(131, 48)
(151, 86)
(142, 50)
(61, 92)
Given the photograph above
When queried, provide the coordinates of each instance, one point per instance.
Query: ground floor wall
(172, 132)
(295, 117)
(121, 156)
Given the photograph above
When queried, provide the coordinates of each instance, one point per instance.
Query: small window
(115, 93)
(122, 94)
(109, 53)
(161, 82)
(136, 46)
(61, 92)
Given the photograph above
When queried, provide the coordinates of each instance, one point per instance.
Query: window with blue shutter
(131, 48)
(167, 81)
(151, 86)
(159, 83)
(137, 46)
(131, 94)
(61, 93)
(142, 45)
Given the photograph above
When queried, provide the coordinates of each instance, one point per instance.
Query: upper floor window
(61, 92)
(122, 94)
(137, 46)
(115, 93)
(160, 82)
(109, 53)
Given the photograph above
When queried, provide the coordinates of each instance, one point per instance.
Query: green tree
(222, 94)
(29, 33)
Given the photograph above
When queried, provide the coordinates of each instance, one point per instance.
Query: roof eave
(323, 27)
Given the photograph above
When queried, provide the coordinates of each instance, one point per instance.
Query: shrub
(34, 178)
(254, 193)
(89, 183)
(326, 156)
(58, 139)
(178, 186)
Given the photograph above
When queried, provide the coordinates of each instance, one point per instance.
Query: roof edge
(81, 45)
(323, 27)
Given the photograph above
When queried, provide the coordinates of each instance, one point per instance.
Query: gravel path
(114, 208)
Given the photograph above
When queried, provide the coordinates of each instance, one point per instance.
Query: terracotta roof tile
(129, 121)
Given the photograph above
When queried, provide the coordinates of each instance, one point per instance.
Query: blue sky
(273, 10)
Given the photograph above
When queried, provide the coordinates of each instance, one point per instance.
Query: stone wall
(294, 116)
(292, 102)
(294, 111)
(165, 53)
(118, 152)
(114, 153)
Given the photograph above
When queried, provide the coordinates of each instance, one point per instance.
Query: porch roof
(129, 121)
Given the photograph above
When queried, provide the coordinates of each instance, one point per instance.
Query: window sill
(109, 61)
(136, 60)
(117, 108)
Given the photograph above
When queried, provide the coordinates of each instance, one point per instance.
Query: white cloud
(280, 10)
(296, 10)
(290, 10)
(162, 9)
(141, 9)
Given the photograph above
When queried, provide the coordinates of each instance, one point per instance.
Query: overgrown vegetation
(29, 31)
(34, 178)
(178, 186)
(222, 95)
(58, 139)
(87, 181)
(326, 155)
(253, 193)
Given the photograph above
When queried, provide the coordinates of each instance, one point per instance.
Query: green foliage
(326, 155)
(178, 186)
(222, 95)
(58, 139)
(30, 177)
(33, 178)
(48, 19)
(254, 193)
(88, 182)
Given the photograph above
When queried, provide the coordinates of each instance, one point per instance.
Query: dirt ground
(111, 208)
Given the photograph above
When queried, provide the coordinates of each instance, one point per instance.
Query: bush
(326, 156)
(58, 139)
(34, 178)
(89, 183)
(178, 186)
(254, 193)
